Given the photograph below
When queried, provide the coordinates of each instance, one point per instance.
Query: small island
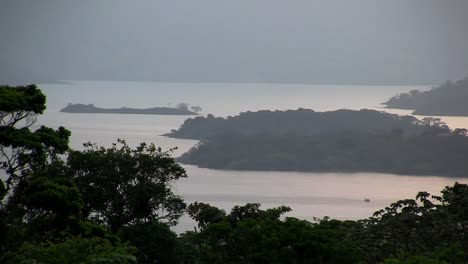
(449, 99)
(181, 109)
(336, 141)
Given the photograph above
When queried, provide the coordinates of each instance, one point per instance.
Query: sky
(296, 41)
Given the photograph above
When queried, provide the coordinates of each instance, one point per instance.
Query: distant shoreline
(425, 113)
(91, 109)
(449, 99)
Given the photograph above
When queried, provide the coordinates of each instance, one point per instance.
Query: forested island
(181, 109)
(301, 122)
(449, 99)
(117, 204)
(343, 140)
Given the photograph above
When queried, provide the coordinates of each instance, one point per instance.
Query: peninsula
(342, 140)
(449, 99)
(91, 109)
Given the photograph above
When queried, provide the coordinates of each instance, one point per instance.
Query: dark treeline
(449, 99)
(429, 229)
(116, 205)
(301, 122)
(343, 140)
(392, 152)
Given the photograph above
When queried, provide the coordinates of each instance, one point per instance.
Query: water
(338, 195)
(105, 129)
(220, 99)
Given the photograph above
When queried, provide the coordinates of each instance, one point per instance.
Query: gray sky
(304, 41)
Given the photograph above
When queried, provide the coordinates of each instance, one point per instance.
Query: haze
(301, 41)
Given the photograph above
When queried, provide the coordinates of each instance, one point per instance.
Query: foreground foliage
(432, 227)
(122, 186)
(116, 205)
(57, 208)
(75, 250)
(251, 235)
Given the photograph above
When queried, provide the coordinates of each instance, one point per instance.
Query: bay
(337, 195)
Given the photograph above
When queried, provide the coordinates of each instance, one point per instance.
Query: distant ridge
(449, 99)
(91, 109)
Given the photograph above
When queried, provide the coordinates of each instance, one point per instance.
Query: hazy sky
(306, 41)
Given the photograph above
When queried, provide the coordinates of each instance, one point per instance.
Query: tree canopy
(123, 186)
(449, 99)
(63, 206)
(353, 151)
(20, 147)
(116, 205)
(300, 122)
(342, 140)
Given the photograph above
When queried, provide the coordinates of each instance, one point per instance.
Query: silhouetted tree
(20, 147)
(124, 186)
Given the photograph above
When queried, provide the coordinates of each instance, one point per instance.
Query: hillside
(449, 99)
(343, 140)
(301, 122)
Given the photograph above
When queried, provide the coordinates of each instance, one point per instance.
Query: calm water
(338, 195)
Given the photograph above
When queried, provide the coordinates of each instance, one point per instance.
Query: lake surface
(338, 195)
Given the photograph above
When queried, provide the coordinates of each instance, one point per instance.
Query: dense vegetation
(448, 99)
(343, 140)
(115, 205)
(388, 152)
(300, 122)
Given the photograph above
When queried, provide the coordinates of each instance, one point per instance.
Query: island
(449, 99)
(336, 141)
(300, 121)
(181, 109)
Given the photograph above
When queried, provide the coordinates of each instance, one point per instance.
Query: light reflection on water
(309, 194)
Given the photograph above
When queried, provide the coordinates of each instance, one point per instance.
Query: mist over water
(338, 195)
(224, 99)
(220, 99)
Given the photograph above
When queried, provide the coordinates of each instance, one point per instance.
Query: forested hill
(449, 99)
(343, 140)
(299, 122)
(385, 152)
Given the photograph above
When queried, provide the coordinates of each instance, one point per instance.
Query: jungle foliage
(116, 205)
